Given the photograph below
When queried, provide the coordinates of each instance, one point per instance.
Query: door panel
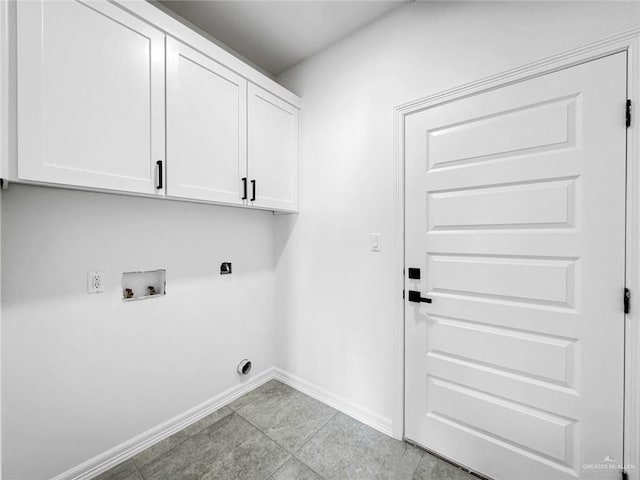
(527, 205)
(206, 127)
(91, 96)
(515, 212)
(551, 125)
(273, 150)
(502, 349)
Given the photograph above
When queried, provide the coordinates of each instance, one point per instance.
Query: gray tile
(154, 451)
(294, 469)
(124, 471)
(230, 449)
(134, 476)
(284, 414)
(207, 421)
(345, 449)
(270, 390)
(150, 454)
(432, 468)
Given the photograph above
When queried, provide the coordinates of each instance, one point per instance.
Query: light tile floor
(277, 433)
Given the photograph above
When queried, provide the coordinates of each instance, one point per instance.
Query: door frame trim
(626, 41)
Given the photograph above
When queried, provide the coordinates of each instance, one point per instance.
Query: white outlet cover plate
(95, 282)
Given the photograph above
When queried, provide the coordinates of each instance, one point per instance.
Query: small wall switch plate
(95, 282)
(375, 242)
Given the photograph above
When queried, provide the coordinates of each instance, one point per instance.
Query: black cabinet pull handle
(414, 296)
(244, 188)
(159, 185)
(253, 189)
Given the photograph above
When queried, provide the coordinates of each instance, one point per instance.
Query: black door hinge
(625, 475)
(627, 298)
(403, 294)
(628, 113)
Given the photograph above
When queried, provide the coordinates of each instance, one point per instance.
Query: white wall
(334, 296)
(1, 422)
(4, 153)
(83, 373)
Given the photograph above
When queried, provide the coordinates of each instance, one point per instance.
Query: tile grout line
(422, 451)
(139, 468)
(135, 466)
(413, 475)
(315, 433)
(270, 477)
(279, 468)
(291, 454)
(309, 467)
(264, 434)
(237, 412)
(295, 455)
(272, 440)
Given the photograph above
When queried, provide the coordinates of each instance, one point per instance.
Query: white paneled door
(90, 96)
(515, 218)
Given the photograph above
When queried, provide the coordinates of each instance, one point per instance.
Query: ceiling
(276, 35)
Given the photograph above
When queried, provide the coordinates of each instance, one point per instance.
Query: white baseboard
(382, 424)
(126, 450)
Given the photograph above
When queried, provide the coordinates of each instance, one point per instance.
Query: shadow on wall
(284, 227)
(53, 237)
(74, 362)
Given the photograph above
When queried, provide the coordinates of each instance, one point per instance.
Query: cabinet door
(206, 127)
(273, 151)
(91, 96)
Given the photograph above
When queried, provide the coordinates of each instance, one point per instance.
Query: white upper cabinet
(206, 127)
(90, 96)
(92, 80)
(272, 151)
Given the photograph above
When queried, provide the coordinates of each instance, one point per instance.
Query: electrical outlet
(95, 282)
